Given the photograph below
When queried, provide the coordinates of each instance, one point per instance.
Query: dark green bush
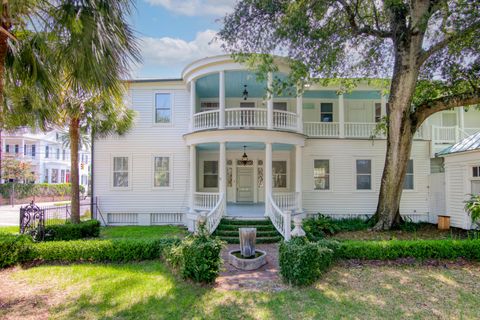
(318, 227)
(101, 250)
(198, 258)
(70, 231)
(25, 190)
(418, 249)
(13, 248)
(303, 262)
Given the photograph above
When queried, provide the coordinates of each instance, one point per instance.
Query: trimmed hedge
(25, 190)
(70, 231)
(197, 257)
(303, 262)
(418, 249)
(13, 248)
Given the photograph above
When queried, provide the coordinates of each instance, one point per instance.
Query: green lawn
(148, 290)
(138, 232)
(9, 229)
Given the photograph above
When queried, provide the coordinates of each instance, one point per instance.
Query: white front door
(244, 184)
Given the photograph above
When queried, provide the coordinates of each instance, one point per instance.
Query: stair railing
(281, 219)
(213, 217)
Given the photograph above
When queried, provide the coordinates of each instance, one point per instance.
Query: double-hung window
(279, 177)
(17, 150)
(326, 112)
(364, 174)
(408, 184)
(210, 174)
(161, 168)
(34, 151)
(47, 151)
(54, 176)
(321, 174)
(120, 172)
(163, 107)
(476, 180)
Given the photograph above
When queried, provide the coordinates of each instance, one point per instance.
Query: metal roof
(470, 143)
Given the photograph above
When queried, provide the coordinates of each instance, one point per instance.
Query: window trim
(130, 175)
(330, 174)
(372, 174)
(208, 189)
(154, 109)
(170, 170)
(332, 113)
(287, 175)
(414, 180)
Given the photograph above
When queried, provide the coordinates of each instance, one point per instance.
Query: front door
(244, 184)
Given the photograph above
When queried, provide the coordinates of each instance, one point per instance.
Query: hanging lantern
(244, 157)
(245, 92)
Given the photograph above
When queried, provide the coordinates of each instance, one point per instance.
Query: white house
(215, 143)
(45, 152)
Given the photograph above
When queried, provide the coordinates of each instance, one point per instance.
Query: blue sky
(172, 33)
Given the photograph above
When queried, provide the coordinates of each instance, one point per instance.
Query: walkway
(247, 210)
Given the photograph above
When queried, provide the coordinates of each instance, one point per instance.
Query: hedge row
(70, 231)
(25, 190)
(303, 262)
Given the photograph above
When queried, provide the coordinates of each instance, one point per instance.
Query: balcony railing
(321, 129)
(245, 118)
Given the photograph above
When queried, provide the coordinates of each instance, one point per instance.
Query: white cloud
(196, 7)
(162, 54)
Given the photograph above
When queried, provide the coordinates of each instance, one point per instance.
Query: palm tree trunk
(74, 132)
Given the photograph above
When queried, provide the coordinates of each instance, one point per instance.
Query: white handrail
(205, 200)
(213, 217)
(359, 129)
(284, 120)
(321, 129)
(280, 219)
(206, 120)
(286, 201)
(245, 117)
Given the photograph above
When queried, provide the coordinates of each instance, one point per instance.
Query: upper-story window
(34, 151)
(163, 107)
(326, 112)
(364, 174)
(47, 151)
(64, 154)
(208, 105)
(282, 106)
(408, 184)
(58, 154)
(476, 180)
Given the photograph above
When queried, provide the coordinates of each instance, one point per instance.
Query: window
(62, 176)
(279, 170)
(476, 172)
(408, 184)
(161, 171)
(7, 148)
(207, 106)
(247, 104)
(46, 176)
(24, 149)
(378, 112)
(120, 172)
(64, 154)
(476, 180)
(67, 176)
(321, 174)
(326, 112)
(210, 174)
(47, 151)
(58, 154)
(33, 150)
(16, 148)
(364, 174)
(54, 176)
(280, 106)
(163, 107)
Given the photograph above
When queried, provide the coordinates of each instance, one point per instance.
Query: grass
(139, 232)
(9, 229)
(149, 291)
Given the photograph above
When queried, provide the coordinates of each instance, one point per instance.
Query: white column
(268, 173)
(299, 111)
(193, 175)
(270, 102)
(383, 106)
(341, 116)
(298, 175)
(22, 148)
(193, 102)
(461, 118)
(221, 99)
(222, 169)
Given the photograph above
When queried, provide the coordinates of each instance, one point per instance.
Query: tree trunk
(74, 133)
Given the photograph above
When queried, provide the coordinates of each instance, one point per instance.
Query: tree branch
(430, 107)
(364, 30)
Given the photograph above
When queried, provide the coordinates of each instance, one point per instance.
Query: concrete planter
(247, 264)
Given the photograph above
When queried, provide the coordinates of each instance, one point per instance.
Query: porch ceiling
(239, 146)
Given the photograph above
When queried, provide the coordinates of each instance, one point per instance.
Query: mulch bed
(266, 278)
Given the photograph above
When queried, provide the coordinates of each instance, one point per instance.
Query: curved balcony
(245, 118)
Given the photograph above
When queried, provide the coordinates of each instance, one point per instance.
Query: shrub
(198, 258)
(472, 206)
(25, 190)
(303, 262)
(318, 227)
(418, 249)
(13, 248)
(70, 231)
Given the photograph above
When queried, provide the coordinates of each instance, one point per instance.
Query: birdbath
(247, 258)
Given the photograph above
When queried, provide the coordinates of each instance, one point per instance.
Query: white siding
(144, 141)
(458, 174)
(343, 198)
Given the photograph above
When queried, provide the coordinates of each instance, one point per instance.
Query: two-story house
(215, 143)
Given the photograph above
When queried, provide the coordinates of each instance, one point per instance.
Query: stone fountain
(247, 258)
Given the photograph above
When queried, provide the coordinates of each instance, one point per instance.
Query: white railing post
(222, 168)
(341, 116)
(221, 99)
(193, 103)
(270, 102)
(268, 173)
(287, 225)
(193, 175)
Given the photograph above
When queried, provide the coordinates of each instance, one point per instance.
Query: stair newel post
(287, 225)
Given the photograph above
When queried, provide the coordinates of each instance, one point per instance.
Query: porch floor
(246, 210)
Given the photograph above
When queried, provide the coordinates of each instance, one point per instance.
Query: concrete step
(259, 240)
(234, 233)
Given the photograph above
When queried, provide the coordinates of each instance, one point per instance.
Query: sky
(173, 33)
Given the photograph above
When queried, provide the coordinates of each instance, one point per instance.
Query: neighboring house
(49, 159)
(215, 143)
(462, 178)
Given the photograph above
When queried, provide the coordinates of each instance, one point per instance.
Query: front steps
(227, 230)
